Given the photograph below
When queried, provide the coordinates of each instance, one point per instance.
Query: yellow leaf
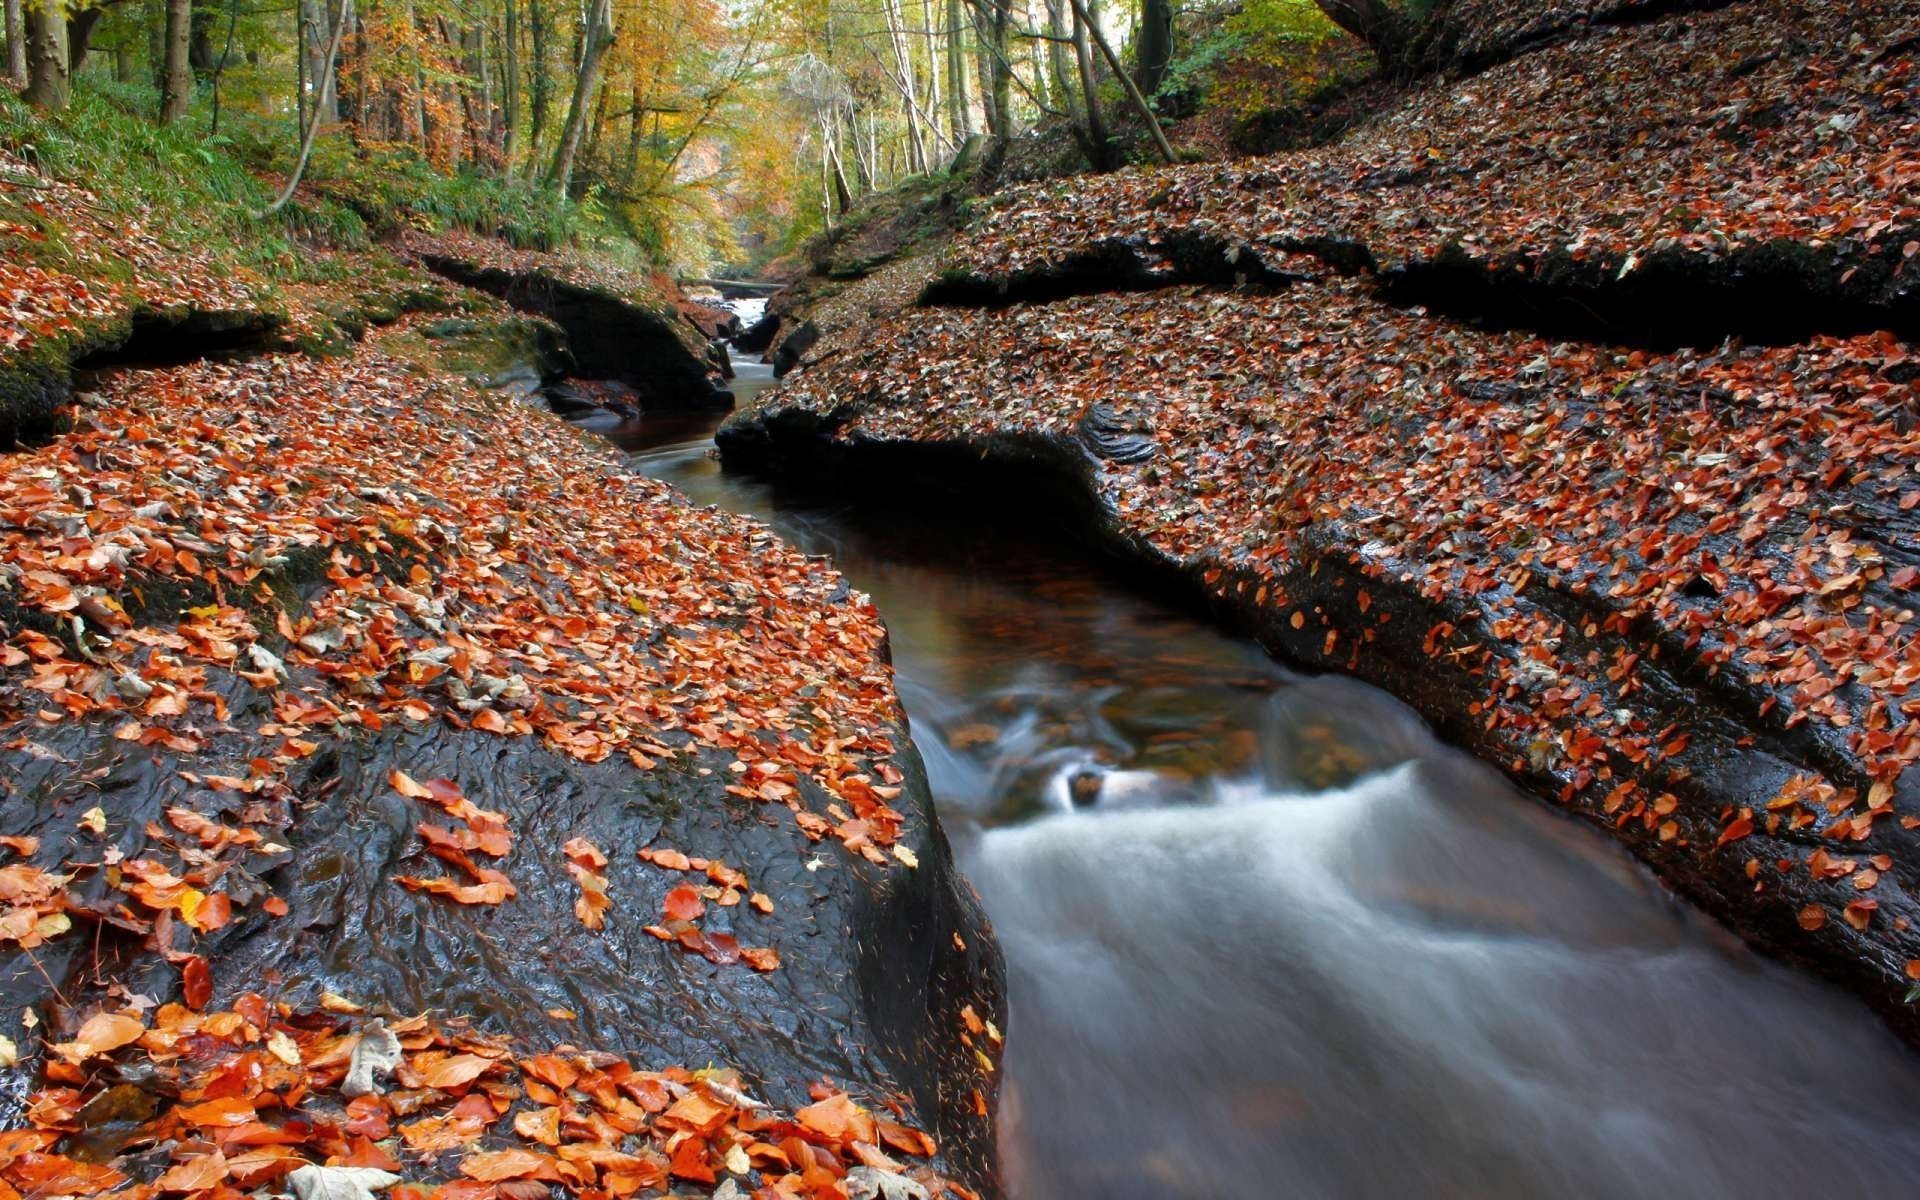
(282, 1047)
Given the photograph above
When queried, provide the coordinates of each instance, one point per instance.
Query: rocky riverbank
(357, 716)
(328, 680)
(1665, 584)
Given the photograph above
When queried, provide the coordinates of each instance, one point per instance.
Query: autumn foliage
(213, 1105)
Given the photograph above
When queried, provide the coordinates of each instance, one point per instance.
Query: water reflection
(1267, 938)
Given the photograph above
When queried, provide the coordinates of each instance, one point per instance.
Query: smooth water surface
(1268, 938)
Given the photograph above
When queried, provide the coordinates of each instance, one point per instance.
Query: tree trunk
(313, 127)
(153, 17)
(200, 38)
(830, 139)
(1062, 84)
(49, 81)
(511, 136)
(994, 28)
(80, 27)
(929, 35)
(589, 153)
(362, 84)
(903, 64)
(226, 56)
(596, 38)
(542, 84)
(16, 44)
(300, 72)
(414, 36)
(176, 77)
(959, 111)
(1386, 30)
(321, 89)
(1100, 154)
(1153, 45)
(1140, 104)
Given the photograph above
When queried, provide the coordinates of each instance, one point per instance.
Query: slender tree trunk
(1140, 104)
(836, 169)
(176, 77)
(929, 35)
(300, 71)
(313, 127)
(415, 36)
(342, 73)
(1063, 86)
(542, 84)
(153, 15)
(16, 44)
(1099, 150)
(993, 27)
(200, 38)
(1153, 44)
(323, 94)
(123, 71)
(895, 15)
(959, 111)
(595, 39)
(220, 68)
(511, 139)
(80, 27)
(362, 81)
(596, 125)
(49, 79)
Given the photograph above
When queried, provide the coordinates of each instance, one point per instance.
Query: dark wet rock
(711, 318)
(873, 976)
(32, 395)
(1110, 435)
(793, 348)
(757, 337)
(611, 336)
(522, 381)
(576, 397)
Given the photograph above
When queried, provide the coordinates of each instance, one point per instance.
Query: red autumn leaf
(684, 904)
(196, 982)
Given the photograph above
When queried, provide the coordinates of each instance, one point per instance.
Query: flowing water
(1266, 937)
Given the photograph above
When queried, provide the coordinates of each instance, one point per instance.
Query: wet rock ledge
(331, 688)
(620, 325)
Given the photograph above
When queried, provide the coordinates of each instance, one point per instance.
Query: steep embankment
(1671, 590)
(359, 718)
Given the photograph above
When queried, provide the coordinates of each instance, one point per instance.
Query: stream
(1267, 937)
